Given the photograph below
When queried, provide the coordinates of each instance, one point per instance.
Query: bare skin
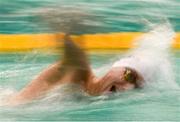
(74, 68)
(47, 80)
(112, 81)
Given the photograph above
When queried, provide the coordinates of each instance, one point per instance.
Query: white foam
(151, 57)
(158, 39)
(5, 93)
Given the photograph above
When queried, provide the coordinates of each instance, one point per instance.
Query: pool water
(22, 16)
(149, 103)
(159, 101)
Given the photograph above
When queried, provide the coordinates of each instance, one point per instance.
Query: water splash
(158, 40)
(5, 93)
(153, 50)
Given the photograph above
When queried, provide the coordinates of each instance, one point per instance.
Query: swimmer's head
(131, 76)
(121, 79)
(116, 80)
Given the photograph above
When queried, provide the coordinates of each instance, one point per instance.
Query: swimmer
(74, 68)
(127, 73)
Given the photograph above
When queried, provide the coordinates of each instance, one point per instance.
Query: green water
(157, 102)
(150, 103)
(21, 16)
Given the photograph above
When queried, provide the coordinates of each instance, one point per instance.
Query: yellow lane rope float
(23, 42)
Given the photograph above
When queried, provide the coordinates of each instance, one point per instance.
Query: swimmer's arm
(48, 79)
(45, 81)
(73, 68)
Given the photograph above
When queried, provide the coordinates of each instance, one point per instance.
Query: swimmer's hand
(75, 58)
